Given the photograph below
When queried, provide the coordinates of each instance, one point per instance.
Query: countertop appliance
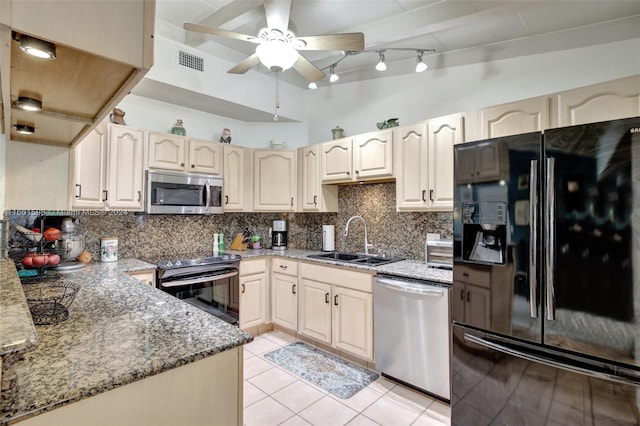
(439, 254)
(411, 333)
(279, 240)
(328, 237)
(180, 193)
(545, 303)
(209, 283)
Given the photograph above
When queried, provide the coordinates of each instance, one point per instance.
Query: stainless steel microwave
(179, 193)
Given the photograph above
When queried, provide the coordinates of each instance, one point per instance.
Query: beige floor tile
(279, 338)
(260, 345)
(328, 412)
(389, 412)
(297, 396)
(254, 366)
(296, 421)
(251, 394)
(361, 420)
(427, 420)
(246, 354)
(362, 399)
(266, 412)
(440, 410)
(411, 398)
(383, 385)
(272, 380)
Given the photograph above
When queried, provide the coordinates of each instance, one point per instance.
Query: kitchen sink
(355, 258)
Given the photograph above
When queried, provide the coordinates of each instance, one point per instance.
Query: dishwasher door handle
(398, 286)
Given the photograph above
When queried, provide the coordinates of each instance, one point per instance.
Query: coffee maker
(279, 235)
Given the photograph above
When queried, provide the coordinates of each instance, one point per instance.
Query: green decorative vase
(177, 129)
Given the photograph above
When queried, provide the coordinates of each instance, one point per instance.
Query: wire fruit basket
(49, 302)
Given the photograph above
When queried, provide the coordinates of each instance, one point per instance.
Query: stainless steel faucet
(366, 242)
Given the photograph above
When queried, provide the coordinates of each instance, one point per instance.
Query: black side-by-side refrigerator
(546, 291)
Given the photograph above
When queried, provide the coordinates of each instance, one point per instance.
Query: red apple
(27, 261)
(54, 259)
(40, 260)
(52, 234)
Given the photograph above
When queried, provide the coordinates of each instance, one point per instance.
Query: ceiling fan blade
(277, 13)
(345, 41)
(245, 65)
(220, 32)
(309, 71)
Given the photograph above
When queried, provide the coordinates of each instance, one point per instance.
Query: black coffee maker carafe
(279, 235)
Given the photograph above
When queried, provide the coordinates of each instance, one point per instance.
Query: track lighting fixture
(333, 77)
(29, 104)
(381, 66)
(25, 129)
(312, 85)
(420, 66)
(36, 47)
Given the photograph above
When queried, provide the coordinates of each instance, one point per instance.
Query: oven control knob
(178, 263)
(169, 264)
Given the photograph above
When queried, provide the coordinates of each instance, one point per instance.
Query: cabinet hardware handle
(226, 199)
(139, 195)
(335, 300)
(466, 274)
(293, 289)
(315, 200)
(193, 166)
(431, 194)
(462, 295)
(79, 190)
(242, 288)
(468, 296)
(181, 164)
(291, 201)
(348, 173)
(326, 298)
(424, 195)
(357, 172)
(105, 194)
(283, 266)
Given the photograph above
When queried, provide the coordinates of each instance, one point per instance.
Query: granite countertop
(119, 330)
(403, 268)
(17, 332)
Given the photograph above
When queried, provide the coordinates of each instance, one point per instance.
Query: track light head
(420, 66)
(333, 77)
(381, 66)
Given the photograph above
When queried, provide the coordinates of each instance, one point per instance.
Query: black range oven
(209, 283)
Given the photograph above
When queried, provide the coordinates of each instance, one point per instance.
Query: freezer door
(497, 220)
(592, 267)
(502, 384)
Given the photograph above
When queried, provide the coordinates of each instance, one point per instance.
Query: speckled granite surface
(119, 330)
(17, 332)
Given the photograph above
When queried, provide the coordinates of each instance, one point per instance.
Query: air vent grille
(191, 61)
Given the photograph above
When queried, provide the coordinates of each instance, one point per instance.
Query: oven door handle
(198, 280)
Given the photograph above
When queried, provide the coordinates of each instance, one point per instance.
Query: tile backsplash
(149, 236)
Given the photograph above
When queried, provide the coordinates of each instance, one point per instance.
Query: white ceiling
(461, 32)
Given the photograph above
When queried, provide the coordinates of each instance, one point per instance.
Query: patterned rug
(338, 377)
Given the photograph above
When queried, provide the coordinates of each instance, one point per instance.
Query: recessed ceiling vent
(191, 61)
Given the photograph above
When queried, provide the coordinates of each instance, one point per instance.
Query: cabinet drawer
(253, 266)
(284, 266)
(479, 275)
(342, 277)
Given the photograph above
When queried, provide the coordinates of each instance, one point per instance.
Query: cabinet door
(233, 177)
(275, 180)
(285, 300)
(514, 118)
(315, 310)
(337, 161)
(125, 173)
(252, 300)
(444, 133)
(477, 309)
(205, 157)
(373, 155)
(89, 162)
(600, 102)
(353, 321)
(167, 151)
(311, 178)
(411, 168)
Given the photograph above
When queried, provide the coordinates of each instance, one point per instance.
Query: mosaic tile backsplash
(148, 236)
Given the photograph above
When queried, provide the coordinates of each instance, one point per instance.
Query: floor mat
(338, 377)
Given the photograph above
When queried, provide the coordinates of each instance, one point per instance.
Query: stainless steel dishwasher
(411, 333)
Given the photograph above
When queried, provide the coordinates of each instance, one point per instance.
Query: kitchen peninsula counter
(120, 332)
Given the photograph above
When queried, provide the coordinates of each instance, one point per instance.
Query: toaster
(439, 253)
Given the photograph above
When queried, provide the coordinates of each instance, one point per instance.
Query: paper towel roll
(328, 237)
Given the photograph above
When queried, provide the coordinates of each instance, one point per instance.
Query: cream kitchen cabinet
(236, 178)
(529, 115)
(182, 154)
(253, 293)
(284, 287)
(314, 196)
(274, 180)
(336, 308)
(368, 156)
(424, 164)
(108, 171)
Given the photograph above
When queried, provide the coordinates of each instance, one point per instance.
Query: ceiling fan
(278, 47)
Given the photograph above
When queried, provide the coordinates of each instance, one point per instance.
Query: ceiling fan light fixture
(333, 77)
(277, 55)
(381, 66)
(29, 104)
(36, 47)
(25, 129)
(420, 66)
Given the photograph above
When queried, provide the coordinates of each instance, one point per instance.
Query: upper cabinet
(313, 195)
(102, 51)
(235, 181)
(424, 164)
(274, 180)
(182, 154)
(600, 102)
(526, 116)
(364, 157)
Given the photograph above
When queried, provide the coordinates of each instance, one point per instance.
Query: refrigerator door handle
(533, 237)
(592, 372)
(550, 232)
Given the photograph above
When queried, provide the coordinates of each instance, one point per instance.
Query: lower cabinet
(336, 308)
(253, 293)
(284, 293)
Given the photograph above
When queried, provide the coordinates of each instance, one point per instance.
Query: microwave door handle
(207, 189)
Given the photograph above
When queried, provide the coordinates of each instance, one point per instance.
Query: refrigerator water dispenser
(484, 232)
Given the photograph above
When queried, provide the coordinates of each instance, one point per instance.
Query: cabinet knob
(181, 164)
(348, 173)
(193, 166)
(357, 172)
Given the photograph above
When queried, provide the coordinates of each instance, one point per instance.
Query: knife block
(238, 244)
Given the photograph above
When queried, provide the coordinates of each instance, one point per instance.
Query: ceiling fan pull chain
(275, 117)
